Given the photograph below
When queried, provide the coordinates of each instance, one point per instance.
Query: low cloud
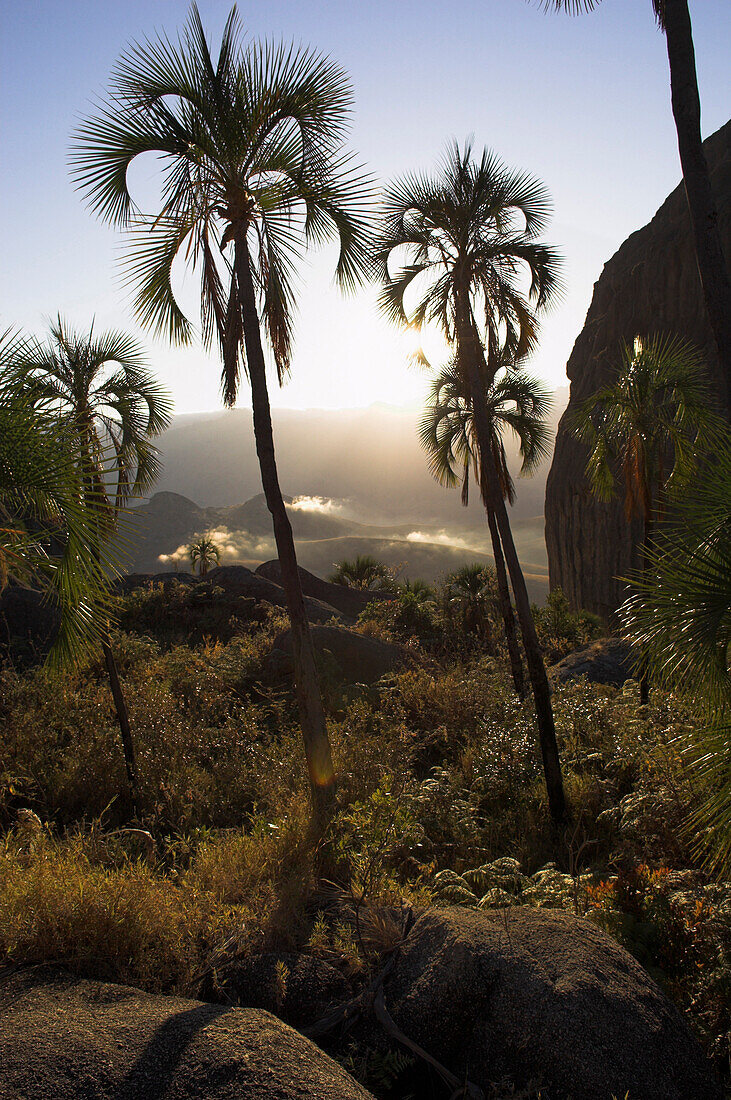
(442, 537)
(233, 546)
(324, 506)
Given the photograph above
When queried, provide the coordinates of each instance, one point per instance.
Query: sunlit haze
(583, 103)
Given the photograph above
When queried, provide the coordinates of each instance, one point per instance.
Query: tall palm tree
(47, 534)
(460, 249)
(680, 614)
(202, 552)
(252, 171)
(100, 389)
(673, 17)
(514, 401)
(658, 408)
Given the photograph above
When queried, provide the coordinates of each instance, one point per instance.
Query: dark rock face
(349, 601)
(649, 286)
(360, 659)
(538, 995)
(63, 1038)
(605, 661)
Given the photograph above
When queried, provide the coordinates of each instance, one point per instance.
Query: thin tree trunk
(120, 705)
(712, 265)
(97, 498)
(506, 606)
(312, 717)
(471, 354)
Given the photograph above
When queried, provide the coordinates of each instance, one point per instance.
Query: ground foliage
(441, 801)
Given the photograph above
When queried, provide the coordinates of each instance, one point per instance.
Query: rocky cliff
(650, 285)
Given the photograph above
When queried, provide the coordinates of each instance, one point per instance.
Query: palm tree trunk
(644, 674)
(506, 606)
(312, 717)
(120, 705)
(701, 203)
(97, 498)
(471, 353)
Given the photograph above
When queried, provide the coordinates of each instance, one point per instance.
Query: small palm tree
(202, 553)
(679, 615)
(460, 249)
(651, 422)
(253, 171)
(673, 17)
(364, 572)
(514, 402)
(98, 386)
(471, 590)
(47, 533)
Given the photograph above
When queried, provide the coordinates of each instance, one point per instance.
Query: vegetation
(253, 171)
(652, 422)
(440, 801)
(680, 614)
(363, 572)
(46, 528)
(98, 389)
(465, 243)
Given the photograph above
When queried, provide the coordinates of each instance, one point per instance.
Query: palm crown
(99, 385)
(46, 529)
(250, 141)
(659, 406)
(466, 240)
(514, 401)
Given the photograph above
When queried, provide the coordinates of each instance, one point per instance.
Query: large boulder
(536, 995)
(649, 286)
(350, 601)
(360, 658)
(64, 1038)
(236, 581)
(604, 661)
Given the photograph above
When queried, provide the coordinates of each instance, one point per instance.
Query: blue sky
(581, 102)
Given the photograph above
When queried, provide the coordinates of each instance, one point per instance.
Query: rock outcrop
(69, 1039)
(360, 659)
(604, 661)
(349, 601)
(538, 997)
(649, 286)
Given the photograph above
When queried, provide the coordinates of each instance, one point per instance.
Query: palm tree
(99, 388)
(466, 256)
(47, 534)
(651, 422)
(202, 553)
(253, 171)
(514, 401)
(364, 572)
(471, 590)
(680, 615)
(673, 17)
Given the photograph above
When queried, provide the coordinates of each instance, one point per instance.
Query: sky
(581, 102)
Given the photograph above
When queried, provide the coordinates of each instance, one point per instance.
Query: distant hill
(369, 459)
(157, 534)
(359, 483)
